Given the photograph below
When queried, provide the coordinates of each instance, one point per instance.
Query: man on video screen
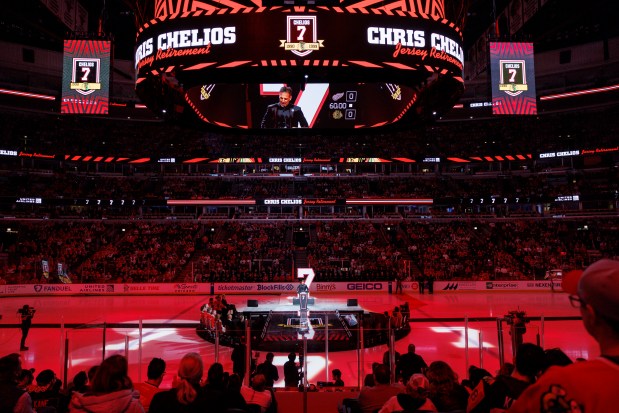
(284, 114)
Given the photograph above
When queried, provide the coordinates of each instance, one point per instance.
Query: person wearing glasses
(283, 114)
(589, 386)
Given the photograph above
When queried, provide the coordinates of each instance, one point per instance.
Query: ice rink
(75, 326)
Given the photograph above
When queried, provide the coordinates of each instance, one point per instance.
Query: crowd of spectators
(262, 250)
(48, 194)
(110, 222)
(537, 380)
(436, 386)
(108, 388)
(593, 184)
(51, 133)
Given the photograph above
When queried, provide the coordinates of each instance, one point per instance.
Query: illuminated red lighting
(195, 160)
(240, 63)
(399, 66)
(26, 94)
(383, 201)
(580, 92)
(199, 66)
(209, 202)
(364, 64)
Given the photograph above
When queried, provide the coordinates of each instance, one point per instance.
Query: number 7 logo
(301, 37)
(307, 273)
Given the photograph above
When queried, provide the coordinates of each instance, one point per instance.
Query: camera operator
(26, 313)
(517, 320)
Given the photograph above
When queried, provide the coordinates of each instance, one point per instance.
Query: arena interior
(165, 220)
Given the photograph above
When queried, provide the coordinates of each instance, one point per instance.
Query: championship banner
(513, 79)
(45, 268)
(62, 274)
(86, 77)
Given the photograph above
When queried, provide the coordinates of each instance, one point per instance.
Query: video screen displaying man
(284, 114)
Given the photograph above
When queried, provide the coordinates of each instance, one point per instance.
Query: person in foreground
(148, 389)
(111, 390)
(445, 391)
(415, 399)
(258, 393)
(187, 394)
(12, 398)
(590, 386)
(373, 398)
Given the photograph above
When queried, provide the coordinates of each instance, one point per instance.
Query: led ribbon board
(405, 51)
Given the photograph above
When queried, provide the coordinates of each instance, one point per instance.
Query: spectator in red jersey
(588, 386)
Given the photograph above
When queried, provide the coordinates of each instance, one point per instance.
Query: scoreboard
(367, 64)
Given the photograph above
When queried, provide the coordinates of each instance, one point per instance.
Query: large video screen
(313, 105)
(513, 79)
(277, 40)
(86, 77)
(363, 66)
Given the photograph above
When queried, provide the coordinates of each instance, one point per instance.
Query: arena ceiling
(558, 24)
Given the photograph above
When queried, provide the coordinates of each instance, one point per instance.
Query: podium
(310, 301)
